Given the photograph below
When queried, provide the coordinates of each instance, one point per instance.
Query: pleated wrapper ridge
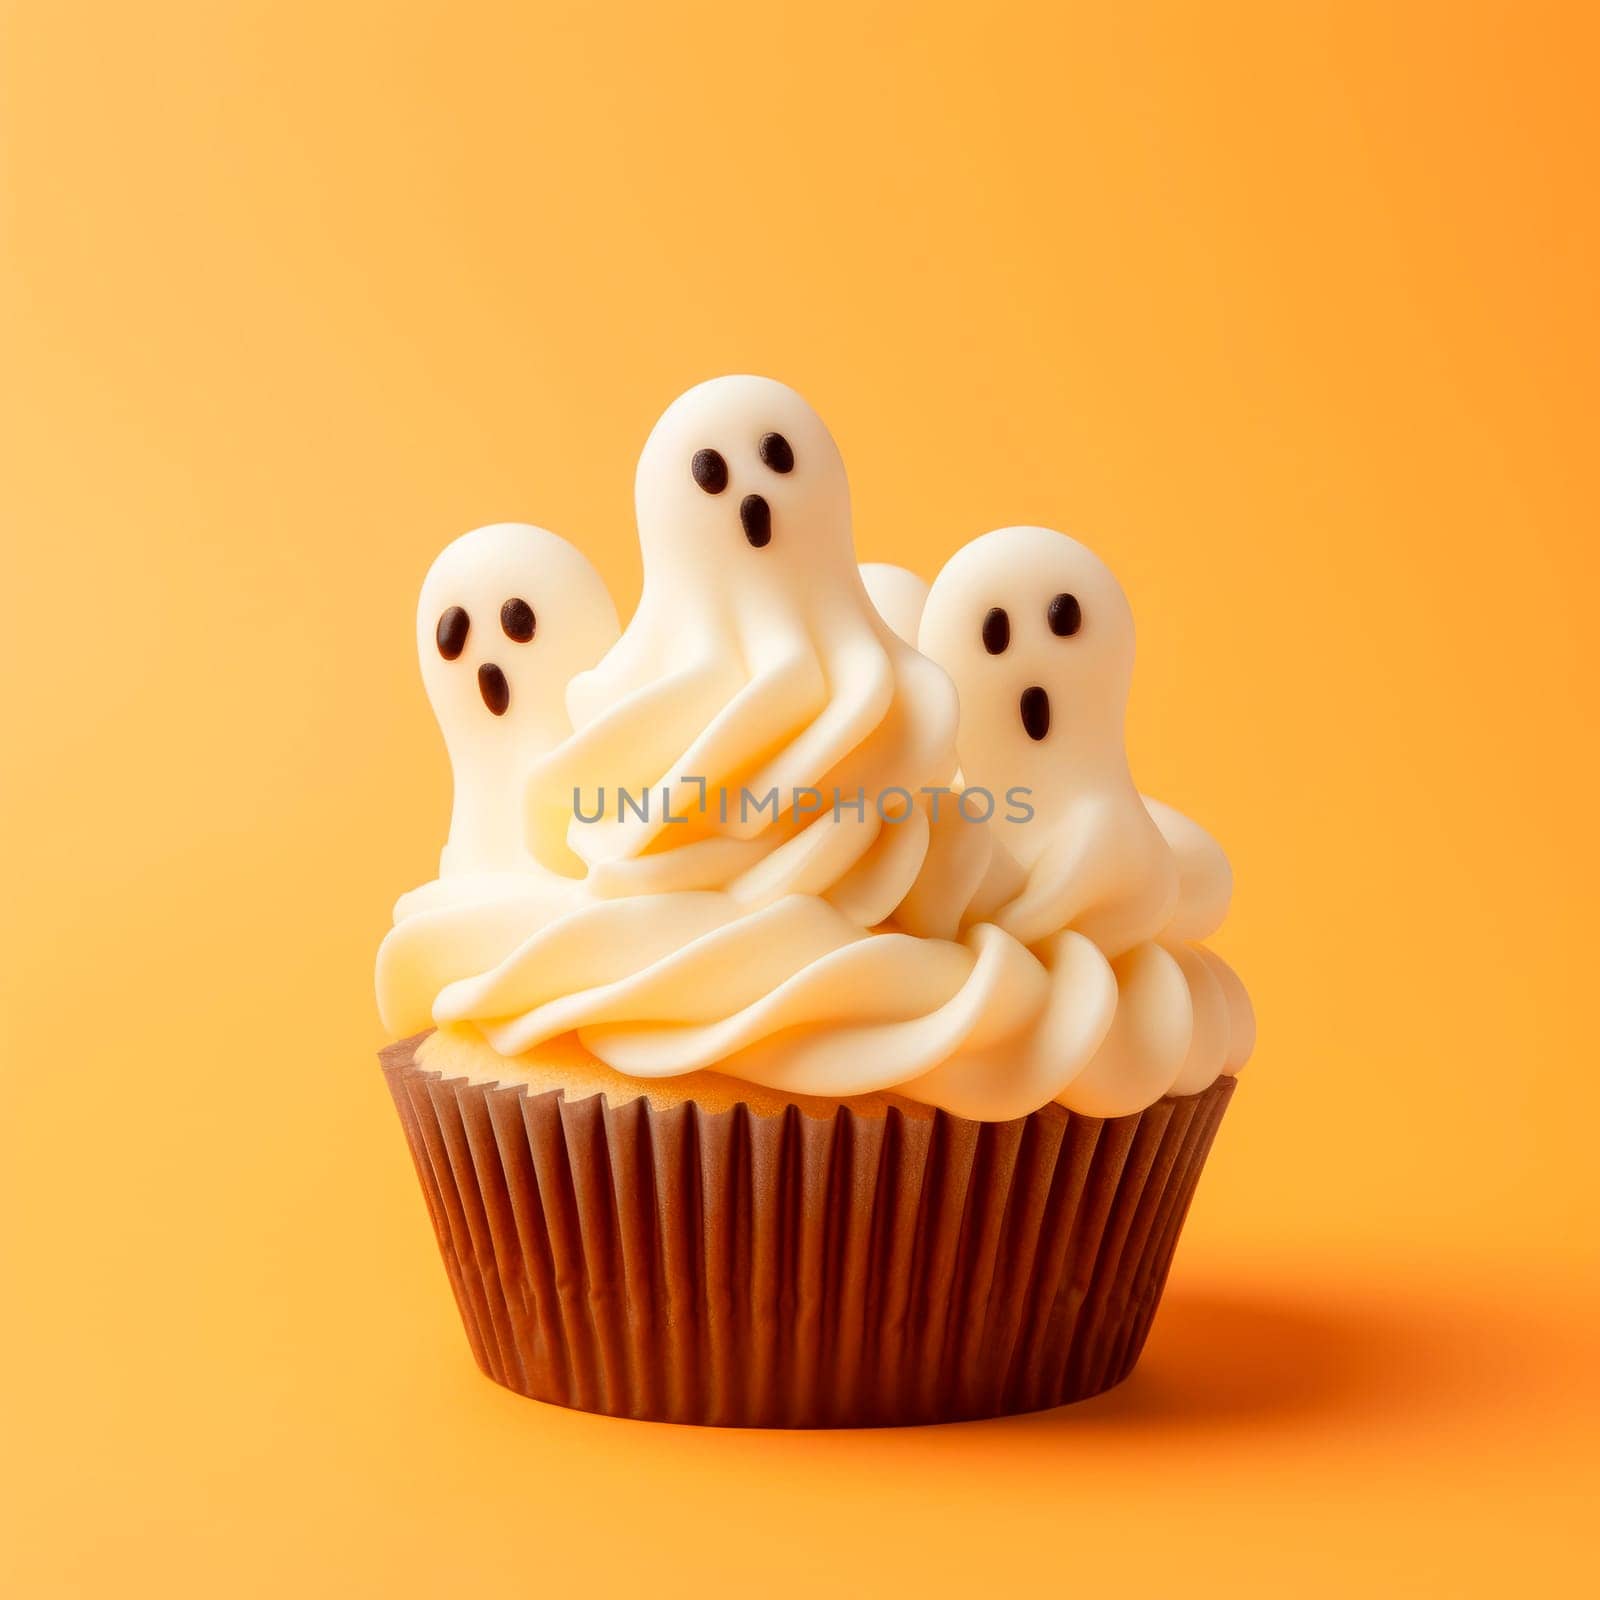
(786, 1269)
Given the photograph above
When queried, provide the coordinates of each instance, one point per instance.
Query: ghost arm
(771, 705)
(777, 700)
(959, 857)
(1205, 880)
(1106, 871)
(1003, 879)
(861, 690)
(1062, 884)
(680, 734)
(626, 746)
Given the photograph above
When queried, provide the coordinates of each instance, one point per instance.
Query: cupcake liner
(789, 1270)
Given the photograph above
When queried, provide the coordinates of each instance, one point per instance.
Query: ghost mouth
(493, 687)
(1035, 710)
(755, 517)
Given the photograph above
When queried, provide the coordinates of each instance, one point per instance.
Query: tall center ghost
(755, 665)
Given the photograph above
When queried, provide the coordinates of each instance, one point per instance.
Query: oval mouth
(493, 687)
(1035, 709)
(755, 517)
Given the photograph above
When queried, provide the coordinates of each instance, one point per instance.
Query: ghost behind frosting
(899, 594)
(508, 614)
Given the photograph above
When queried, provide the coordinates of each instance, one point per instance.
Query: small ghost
(1205, 880)
(1038, 636)
(508, 614)
(899, 595)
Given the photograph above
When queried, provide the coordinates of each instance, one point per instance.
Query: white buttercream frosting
(738, 846)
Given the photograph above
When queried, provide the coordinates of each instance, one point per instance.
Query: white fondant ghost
(755, 661)
(1038, 637)
(508, 614)
(1205, 880)
(898, 594)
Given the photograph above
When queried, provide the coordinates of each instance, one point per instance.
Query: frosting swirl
(749, 854)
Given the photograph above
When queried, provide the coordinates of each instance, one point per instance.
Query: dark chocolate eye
(451, 634)
(775, 452)
(1066, 615)
(710, 471)
(996, 630)
(517, 620)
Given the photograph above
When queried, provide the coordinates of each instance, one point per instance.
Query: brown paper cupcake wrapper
(789, 1270)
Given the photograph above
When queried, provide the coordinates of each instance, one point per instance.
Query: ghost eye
(710, 471)
(517, 620)
(776, 453)
(996, 631)
(1065, 615)
(451, 634)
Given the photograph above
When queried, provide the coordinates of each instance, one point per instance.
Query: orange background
(1289, 309)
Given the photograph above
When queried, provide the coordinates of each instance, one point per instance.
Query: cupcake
(808, 1025)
